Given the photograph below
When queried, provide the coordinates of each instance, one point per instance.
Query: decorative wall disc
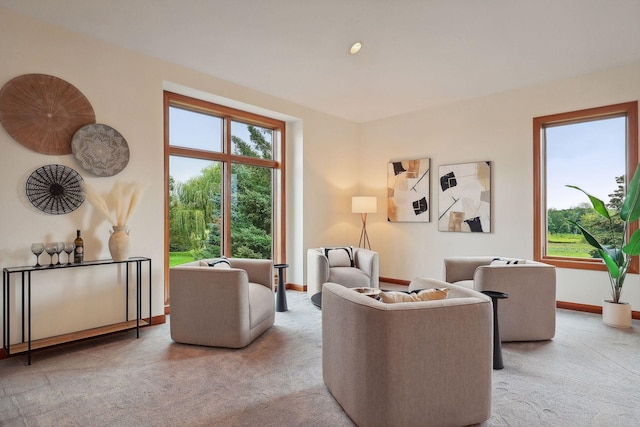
(55, 189)
(100, 149)
(43, 112)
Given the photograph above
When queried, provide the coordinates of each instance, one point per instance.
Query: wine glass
(59, 250)
(51, 248)
(37, 249)
(68, 248)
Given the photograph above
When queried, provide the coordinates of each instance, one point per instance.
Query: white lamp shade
(364, 204)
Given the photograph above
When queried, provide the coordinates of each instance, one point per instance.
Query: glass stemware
(68, 248)
(37, 249)
(51, 248)
(59, 250)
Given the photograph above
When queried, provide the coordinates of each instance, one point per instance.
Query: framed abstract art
(464, 199)
(408, 191)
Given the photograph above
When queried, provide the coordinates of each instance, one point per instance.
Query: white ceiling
(416, 53)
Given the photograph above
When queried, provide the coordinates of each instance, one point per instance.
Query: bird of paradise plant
(618, 255)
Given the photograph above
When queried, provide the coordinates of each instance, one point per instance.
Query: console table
(27, 344)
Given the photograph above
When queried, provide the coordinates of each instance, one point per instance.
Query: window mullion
(226, 191)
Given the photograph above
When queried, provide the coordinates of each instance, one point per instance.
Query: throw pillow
(421, 295)
(221, 262)
(508, 262)
(340, 256)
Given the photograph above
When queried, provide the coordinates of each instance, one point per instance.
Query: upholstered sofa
(363, 271)
(425, 363)
(221, 307)
(529, 314)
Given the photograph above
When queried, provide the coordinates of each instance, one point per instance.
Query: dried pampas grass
(124, 197)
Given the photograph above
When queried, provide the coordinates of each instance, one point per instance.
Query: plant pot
(617, 315)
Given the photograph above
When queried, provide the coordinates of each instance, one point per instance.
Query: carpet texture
(588, 375)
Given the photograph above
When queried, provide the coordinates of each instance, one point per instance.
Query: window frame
(277, 165)
(628, 110)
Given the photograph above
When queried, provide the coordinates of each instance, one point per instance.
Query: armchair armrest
(317, 271)
(258, 270)
(367, 261)
(463, 268)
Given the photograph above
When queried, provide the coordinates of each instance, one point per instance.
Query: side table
(316, 299)
(281, 294)
(497, 344)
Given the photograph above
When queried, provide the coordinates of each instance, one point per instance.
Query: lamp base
(364, 237)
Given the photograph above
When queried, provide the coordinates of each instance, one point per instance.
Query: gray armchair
(221, 307)
(529, 314)
(364, 272)
(425, 363)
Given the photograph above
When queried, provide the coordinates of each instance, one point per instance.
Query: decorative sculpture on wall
(43, 112)
(55, 189)
(100, 149)
(408, 191)
(465, 197)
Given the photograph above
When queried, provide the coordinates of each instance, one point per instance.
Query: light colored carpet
(589, 375)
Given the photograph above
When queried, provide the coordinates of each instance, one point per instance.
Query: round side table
(281, 294)
(497, 344)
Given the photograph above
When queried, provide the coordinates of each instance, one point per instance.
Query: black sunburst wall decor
(55, 189)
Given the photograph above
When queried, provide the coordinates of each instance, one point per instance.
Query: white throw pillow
(221, 262)
(423, 295)
(339, 256)
(508, 262)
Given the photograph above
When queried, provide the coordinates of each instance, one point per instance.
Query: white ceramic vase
(119, 243)
(616, 315)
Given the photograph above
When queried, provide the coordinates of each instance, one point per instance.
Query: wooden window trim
(171, 99)
(628, 110)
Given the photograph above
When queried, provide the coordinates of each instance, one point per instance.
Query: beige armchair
(221, 307)
(425, 363)
(363, 272)
(529, 314)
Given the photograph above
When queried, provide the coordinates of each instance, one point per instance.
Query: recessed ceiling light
(355, 48)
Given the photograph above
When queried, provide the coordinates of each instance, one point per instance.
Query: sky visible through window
(195, 130)
(589, 155)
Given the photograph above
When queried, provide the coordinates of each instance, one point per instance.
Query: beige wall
(328, 161)
(125, 90)
(496, 128)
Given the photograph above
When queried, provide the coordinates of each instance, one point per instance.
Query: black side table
(497, 344)
(281, 294)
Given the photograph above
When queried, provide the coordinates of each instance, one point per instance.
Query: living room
(329, 160)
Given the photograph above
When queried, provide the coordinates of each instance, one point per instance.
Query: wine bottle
(78, 252)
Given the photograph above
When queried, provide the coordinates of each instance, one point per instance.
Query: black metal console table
(25, 271)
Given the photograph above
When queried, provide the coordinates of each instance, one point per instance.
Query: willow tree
(195, 206)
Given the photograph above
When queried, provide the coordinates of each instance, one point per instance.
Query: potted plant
(617, 255)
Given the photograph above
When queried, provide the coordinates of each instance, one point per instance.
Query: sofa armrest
(258, 270)
(367, 261)
(317, 271)
(457, 269)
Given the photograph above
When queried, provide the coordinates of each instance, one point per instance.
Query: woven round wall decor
(43, 112)
(55, 189)
(100, 149)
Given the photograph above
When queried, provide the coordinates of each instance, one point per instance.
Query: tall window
(225, 182)
(594, 149)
